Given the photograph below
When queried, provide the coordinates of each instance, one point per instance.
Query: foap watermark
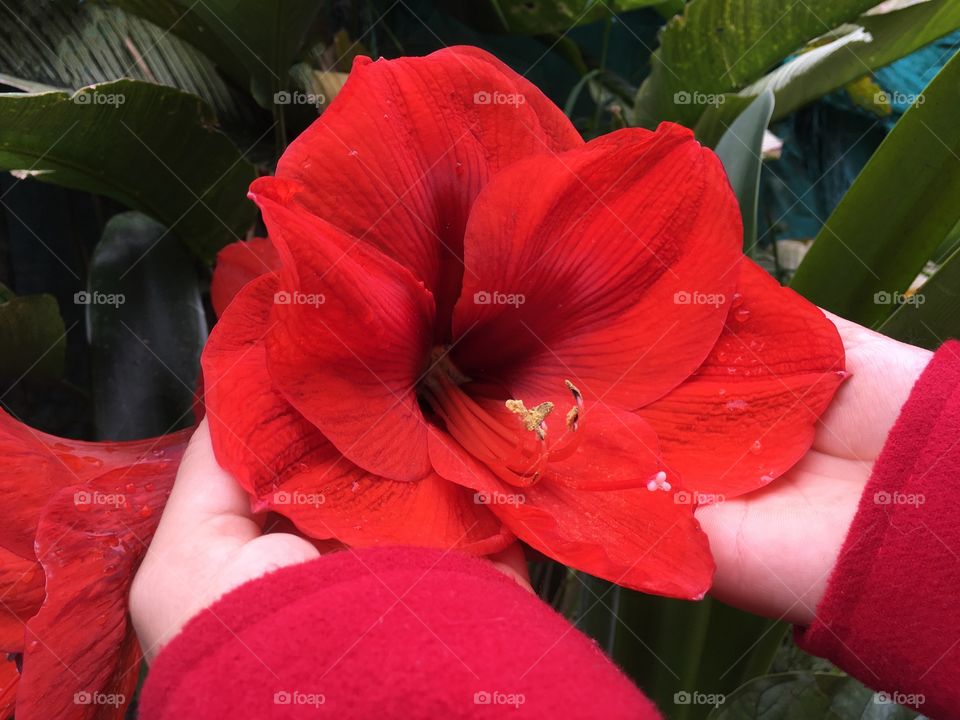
(295, 697)
(499, 498)
(99, 98)
(297, 497)
(83, 697)
(484, 297)
(883, 297)
(683, 97)
(297, 97)
(898, 98)
(282, 297)
(686, 497)
(899, 698)
(685, 297)
(898, 498)
(89, 498)
(495, 697)
(483, 97)
(684, 697)
(98, 298)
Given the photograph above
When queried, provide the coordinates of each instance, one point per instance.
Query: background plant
(130, 130)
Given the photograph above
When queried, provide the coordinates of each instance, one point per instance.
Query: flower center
(516, 445)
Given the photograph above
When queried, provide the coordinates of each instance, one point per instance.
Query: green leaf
(169, 16)
(538, 17)
(150, 147)
(33, 337)
(673, 646)
(740, 150)
(146, 328)
(896, 213)
(873, 42)
(265, 37)
(796, 695)
(718, 46)
(66, 47)
(931, 315)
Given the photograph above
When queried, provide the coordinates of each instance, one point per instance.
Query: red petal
(616, 450)
(9, 679)
(289, 466)
(34, 466)
(414, 143)
(748, 414)
(90, 542)
(21, 593)
(238, 264)
(351, 335)
(335, 499)
(578, 266)
(641, 539)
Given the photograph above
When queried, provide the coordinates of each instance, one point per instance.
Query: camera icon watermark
(686, 497)
(495, 97)
(84, 499)
(683, 697)
(883, 497)
(485, 297)
(283, 297)
(85, 697)
(92, 97)
(98, 298)
(495, 697)
(297, 97)
(695, 297)
(499, 498)
(883, 297)
(684, 97)
(297, 497)
(898, 98)
(899, 698)
(295, 697)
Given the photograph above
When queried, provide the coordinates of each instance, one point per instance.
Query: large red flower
(78, 517)
(473, 326)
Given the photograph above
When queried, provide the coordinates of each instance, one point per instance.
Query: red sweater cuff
(890, 616)
(385, 633)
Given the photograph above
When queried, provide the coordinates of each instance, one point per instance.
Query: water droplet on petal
(737, 405)
(355, 486)
(130, 488)
(741, 315)
(148, 487)
(721, 392)
(353, 153)
(756, 447)
(145, 511)
(102, 620)
(737, 300)
(158, 452)
(766, 479)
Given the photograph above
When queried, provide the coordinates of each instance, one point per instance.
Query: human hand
(775, 548)
(209, 542)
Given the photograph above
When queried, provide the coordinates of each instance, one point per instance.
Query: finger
(204, 491)
(513, 563)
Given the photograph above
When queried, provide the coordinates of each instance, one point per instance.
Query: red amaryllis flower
(477, 327)
(78, 519)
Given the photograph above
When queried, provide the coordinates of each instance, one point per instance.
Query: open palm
(775, 548)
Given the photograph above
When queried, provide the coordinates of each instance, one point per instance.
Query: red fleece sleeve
(385, 633)
(890, 615)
